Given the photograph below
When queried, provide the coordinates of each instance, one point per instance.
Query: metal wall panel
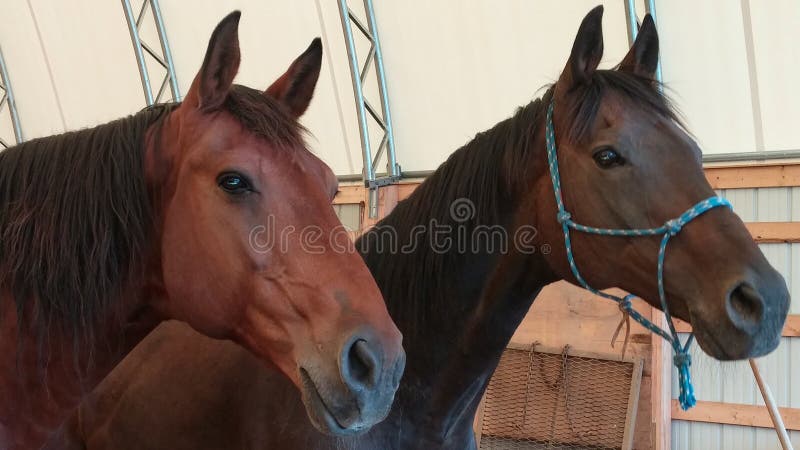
(453, 67)
(734, 382)
(775, 24)
(36, 99)
(89, 55)
(272, 34)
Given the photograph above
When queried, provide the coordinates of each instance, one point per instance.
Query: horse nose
(399, 368)
(745, 308)
(360, 364)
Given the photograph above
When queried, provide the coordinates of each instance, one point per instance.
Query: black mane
(420, 287)
(586, 99)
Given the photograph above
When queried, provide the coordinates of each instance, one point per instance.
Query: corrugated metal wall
(734, 382)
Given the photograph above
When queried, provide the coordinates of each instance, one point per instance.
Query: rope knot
(673, 226)
(563, 216)
(682, 360)
(625, 303)
(686, 397)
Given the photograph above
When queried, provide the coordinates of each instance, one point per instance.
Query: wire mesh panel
(540, 399)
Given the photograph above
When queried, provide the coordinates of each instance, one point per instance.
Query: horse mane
(585, 100)
(264, 116)
(422, 285)
(75, 217)
(489, 171)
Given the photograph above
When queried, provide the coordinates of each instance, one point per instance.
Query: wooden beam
(790, 329)
(633, 404)
(405, 189)
(349, 195)
(735, 414)
(754, 176)
(661, 386)
(720, 177)
(774, 232)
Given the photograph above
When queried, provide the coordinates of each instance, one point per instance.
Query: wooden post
(777, 420)
(633, 404)
(661, 387)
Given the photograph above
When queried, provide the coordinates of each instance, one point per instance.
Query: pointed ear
(296, 87)
(642, 59)
(212, 83)
(586, 52)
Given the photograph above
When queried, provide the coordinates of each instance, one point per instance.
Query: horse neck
(456, 329)
(44, 374)
(42, 382)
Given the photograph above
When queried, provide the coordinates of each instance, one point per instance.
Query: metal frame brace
(382, 118)
(163, 58)
(7, 98)
(633, 25)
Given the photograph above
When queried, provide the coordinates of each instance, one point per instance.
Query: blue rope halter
(682, 360)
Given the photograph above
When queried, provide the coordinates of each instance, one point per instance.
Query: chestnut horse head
(212, 212)
(627, 163)
(252, 250)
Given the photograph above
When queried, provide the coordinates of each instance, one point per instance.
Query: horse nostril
(361, 366)
(745, 308)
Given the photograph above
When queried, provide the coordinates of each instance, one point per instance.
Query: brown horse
(108, 231)
(625, 163)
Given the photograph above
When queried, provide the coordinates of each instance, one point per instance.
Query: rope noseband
(682, 359)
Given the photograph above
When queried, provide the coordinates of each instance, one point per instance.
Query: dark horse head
(210, 212)
(626, 162)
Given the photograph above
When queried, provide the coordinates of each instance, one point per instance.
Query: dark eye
(607, 157)
(234, 183)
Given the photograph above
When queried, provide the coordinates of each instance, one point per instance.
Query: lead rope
(682, 360)
(626, 320)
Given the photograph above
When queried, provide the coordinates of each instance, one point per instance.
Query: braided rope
(670, 228)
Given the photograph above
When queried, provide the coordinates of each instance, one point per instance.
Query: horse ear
(296, 87)
(212, 83)
(586, 51)
(642, 59)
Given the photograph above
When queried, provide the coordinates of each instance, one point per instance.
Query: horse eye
(234, 183)
(607, 157)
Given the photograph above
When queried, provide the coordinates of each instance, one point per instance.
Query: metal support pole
(137, 49)
(140, 48)
(366, 151)
(650, 8)
(7, 97)
(394, 170)
(631, 20)
(633, 26)
(162, 37)
(364, 109)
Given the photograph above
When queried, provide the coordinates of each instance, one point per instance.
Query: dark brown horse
(108, 231)
(625, 163)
